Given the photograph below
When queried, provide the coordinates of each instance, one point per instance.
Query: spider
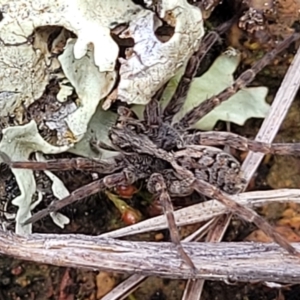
(170, 158)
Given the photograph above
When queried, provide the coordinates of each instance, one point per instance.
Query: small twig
(132, 283)
(194, 288)
(207, 210)
(280, 106)
(215, 261)
(269, 128)
(125, 288)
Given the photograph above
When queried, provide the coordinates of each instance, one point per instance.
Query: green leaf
(98, 129)
(247, 103)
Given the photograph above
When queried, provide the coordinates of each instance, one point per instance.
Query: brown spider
(170, 159)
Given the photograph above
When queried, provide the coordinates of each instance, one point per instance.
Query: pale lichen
(59, 191)
(90, 85)
(90, 20)
(86, 67)
(151, 63)
(19, 142)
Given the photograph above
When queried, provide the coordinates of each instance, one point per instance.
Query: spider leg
(157, 185)
(152, 113)
(153, 110)
(213, 138)
(98, 145)
(177, 101)
(243, 80)
(105, 166)
(246, 213)
(79, 194)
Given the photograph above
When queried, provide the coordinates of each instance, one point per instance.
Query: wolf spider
(170, 158)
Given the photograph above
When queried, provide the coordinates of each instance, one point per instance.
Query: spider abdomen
(213, 166)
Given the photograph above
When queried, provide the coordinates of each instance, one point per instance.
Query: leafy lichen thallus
(171, 160)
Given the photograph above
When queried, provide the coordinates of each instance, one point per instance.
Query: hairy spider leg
(198, 112)
(104, 166)
(79, 194)
(152, 113)
(177, 101)
(214, 138)
(156, 185)
(244, 212)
